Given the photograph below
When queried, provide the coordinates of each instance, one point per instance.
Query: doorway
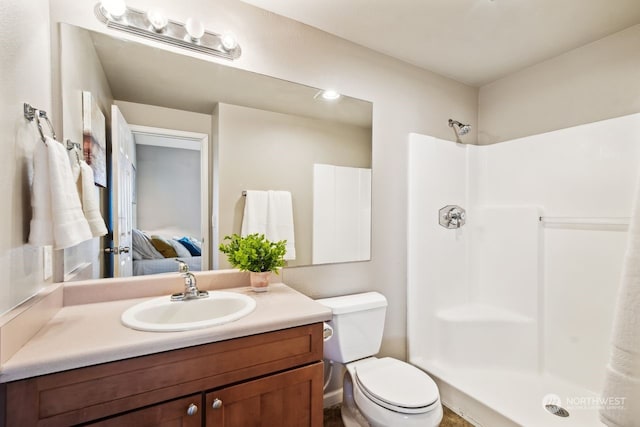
(171, 185)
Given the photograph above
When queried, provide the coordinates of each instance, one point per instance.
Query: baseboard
(333, 398)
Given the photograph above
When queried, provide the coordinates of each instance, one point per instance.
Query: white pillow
(180, 249)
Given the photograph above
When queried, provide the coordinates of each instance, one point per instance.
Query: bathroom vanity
(265, 369)
(275, 376)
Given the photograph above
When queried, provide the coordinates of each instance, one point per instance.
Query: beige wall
(262, 150)
(595, 82)
(405, 99)
(25, 76)
(81, 70)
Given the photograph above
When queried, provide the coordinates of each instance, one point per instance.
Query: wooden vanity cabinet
(270, 379)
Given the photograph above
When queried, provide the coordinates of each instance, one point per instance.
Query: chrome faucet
(190, 287)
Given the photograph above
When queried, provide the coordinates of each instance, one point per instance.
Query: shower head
(459, 128)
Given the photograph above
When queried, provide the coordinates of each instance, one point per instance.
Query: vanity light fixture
(328, 95)
(155, 25)
(114, 8)
(229, 40)
(194, 28)
(157, 20)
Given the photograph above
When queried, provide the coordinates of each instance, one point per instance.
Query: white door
(121, 193)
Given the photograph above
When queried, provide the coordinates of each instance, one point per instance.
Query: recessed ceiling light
(328, 95)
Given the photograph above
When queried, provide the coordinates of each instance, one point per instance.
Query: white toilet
(378, 392)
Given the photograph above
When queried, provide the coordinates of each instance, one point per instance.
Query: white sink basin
(163, 315)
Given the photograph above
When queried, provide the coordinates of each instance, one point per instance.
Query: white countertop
(89, 334)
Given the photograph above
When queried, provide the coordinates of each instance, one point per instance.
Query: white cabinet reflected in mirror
(204, 134)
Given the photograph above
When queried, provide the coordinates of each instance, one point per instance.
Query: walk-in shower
(512, 313)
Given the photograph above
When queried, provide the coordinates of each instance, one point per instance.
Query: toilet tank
(358, 324)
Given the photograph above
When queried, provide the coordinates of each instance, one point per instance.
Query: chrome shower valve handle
(452, 216)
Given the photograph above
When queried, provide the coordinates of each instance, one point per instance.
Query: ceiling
(471, 41)
(191, 84)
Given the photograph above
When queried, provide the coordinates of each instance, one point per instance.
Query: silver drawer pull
(217, 404)
(192, 409)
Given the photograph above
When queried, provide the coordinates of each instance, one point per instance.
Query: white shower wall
(506, 291)
(454, 287)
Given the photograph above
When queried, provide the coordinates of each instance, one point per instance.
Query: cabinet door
(184, 412)
(288, 399)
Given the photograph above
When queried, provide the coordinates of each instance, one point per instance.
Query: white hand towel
(41, 227)
(621, 393)
(90, 202)
(280, 221)
(254, 219)
(70, 227)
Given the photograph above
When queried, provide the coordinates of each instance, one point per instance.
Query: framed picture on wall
(94, 138)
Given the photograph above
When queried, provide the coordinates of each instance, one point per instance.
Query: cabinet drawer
(94, 392)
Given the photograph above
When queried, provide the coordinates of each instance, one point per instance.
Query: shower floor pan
(501, 398)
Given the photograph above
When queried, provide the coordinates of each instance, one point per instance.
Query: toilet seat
(397, 386)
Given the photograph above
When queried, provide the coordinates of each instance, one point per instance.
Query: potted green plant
(255, 254)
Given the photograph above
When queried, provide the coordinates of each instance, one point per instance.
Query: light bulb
(157, 19)
(194, 28)
(115, 8)
(330, 95)
(228, 40)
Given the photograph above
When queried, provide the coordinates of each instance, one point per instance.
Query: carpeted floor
(450, 419)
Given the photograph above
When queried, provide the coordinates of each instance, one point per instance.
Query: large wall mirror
(203, 135)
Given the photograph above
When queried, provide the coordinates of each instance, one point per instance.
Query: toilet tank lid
(355, 302)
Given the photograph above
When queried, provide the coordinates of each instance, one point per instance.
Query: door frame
(205, 188)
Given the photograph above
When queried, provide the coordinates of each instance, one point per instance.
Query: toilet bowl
(377, 392)
(389, 392)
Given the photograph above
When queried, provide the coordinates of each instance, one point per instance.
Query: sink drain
(557, 410)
